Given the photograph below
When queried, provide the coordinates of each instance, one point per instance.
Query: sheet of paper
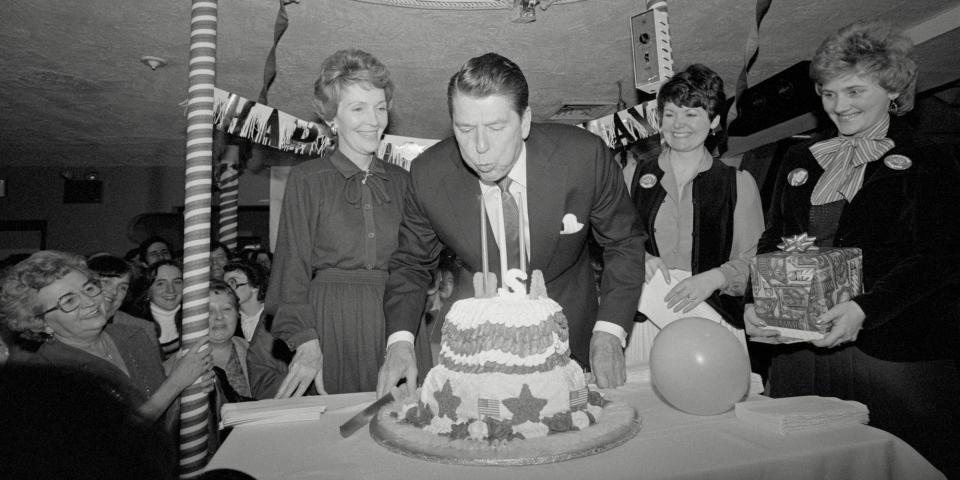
(655, 308)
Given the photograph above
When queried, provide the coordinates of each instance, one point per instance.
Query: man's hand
(607, 361)
(400, 362)
(307, 365)
(845, 320)
(755, 327)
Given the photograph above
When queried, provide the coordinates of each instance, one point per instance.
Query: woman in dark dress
(338, 228)
(880, 187)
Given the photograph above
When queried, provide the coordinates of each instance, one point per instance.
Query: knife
(359, 420)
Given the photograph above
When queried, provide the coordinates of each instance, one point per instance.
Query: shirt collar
(348, 169)
(519, 171)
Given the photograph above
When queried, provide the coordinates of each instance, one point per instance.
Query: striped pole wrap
(229, 198)
(194, 409)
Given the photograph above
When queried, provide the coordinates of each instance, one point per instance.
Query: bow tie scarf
(843, 160)
(353, 188)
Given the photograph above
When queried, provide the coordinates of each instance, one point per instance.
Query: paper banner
(401, 151)
(265, 125)
(621, 129)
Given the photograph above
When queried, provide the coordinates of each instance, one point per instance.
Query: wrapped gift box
(792, 289)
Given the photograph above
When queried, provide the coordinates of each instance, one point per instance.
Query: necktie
(511, 224)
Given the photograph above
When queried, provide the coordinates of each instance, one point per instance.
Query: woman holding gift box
(702, 216)
(880, 187)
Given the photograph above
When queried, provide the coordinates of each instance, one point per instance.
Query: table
(670, 445)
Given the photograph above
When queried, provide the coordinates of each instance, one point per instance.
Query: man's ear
(525, 122)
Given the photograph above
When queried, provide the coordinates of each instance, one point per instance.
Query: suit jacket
(569, 170)
(907, 223)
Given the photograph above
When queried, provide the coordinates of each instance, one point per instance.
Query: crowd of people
(368, 254)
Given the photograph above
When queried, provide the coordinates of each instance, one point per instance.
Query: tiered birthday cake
(505, 372)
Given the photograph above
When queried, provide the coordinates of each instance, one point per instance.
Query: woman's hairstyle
(345, 68)
(151, 276)
(19, 308)
(256, 277)
(871, 48)
(109, 265)
(490, 74)
(214, 245)
(219, 286)
(696, 86)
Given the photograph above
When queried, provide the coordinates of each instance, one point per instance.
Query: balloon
(699, 367)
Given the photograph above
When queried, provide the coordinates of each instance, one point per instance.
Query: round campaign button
(648, 180)
(797, 177)
(897, 162)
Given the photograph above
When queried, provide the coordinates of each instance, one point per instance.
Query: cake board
(618, 424)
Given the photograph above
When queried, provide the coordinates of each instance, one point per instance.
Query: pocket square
(570, 224)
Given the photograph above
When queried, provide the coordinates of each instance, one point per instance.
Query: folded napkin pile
(799, 414)
(272, 411)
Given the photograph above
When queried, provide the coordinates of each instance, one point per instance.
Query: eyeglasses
(71, 301)
(234, 284)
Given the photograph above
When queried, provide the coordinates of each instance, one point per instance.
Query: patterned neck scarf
(843, 160)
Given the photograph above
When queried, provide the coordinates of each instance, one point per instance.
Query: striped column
(194, 408)
(229, 183)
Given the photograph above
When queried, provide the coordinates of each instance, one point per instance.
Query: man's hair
(490, 74)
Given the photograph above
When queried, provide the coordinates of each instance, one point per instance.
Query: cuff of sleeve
(612, 329)
(399, 336)
(298, 339)
(731, 285)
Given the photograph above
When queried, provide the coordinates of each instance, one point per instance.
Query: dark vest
(714, 200)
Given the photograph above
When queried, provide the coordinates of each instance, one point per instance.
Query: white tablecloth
(670, 445)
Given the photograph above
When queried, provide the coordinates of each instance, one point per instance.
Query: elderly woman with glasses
(52, 297)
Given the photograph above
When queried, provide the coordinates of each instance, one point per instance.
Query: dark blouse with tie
(338, 226)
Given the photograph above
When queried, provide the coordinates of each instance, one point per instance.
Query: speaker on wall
(775, 100)
(82, 191)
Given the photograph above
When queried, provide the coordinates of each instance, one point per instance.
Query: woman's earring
(333, 128)
(894, 108)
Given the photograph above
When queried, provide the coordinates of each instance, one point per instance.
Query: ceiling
(75, 93)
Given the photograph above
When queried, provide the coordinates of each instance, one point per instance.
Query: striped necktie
(511, 224)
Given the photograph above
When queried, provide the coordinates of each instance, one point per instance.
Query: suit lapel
(546, 191)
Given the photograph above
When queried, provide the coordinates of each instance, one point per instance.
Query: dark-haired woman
(702, 216)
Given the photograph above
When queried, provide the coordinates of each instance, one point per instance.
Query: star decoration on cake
(459, 431)
(447, 402)
(526, 407)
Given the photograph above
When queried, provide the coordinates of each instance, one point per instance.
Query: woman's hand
(755, 327)
(693, 290)
(305, 368)
(652, 264)
(845, 320)
(193, 363)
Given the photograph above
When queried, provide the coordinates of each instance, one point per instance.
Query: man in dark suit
(568, 186)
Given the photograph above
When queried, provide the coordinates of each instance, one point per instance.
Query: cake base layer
(619, 423)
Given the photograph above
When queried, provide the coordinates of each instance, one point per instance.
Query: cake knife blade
(359, 420)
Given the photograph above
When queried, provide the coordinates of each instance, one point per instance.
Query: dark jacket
(907, 223)
(569, 170)
(714, 201)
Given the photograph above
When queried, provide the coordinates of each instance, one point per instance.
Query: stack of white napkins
(799, 414)
(272, 411)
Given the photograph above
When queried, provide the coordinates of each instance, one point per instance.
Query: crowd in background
(321, 327)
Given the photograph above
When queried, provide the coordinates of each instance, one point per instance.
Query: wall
(36, 193)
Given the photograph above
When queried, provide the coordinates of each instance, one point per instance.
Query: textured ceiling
(75, 93)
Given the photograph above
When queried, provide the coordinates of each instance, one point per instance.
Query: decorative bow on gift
(798, 243)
